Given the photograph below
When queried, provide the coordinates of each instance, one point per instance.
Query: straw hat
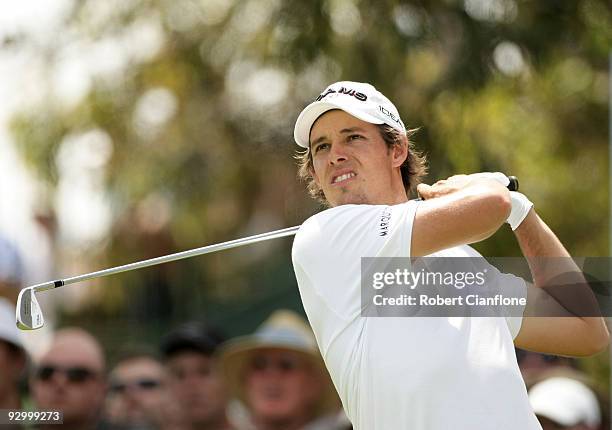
(285, 330)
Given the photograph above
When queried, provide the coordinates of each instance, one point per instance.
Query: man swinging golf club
(415, 373)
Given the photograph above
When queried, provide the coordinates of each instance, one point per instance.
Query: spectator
(138, 395)
(69, 377)
(280, 377)
(565, 403)
(12, 358)
(193, 376)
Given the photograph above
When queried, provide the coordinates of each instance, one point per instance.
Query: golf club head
(27, 313)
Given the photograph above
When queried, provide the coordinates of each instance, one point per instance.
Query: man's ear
(400, 152)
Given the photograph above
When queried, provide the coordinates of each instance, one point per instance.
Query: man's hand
(458, 182)
(462, 209)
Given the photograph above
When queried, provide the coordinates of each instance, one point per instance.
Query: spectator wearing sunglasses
(278, 374)
(13, 358)
(194, 379)
(69, 377)
(138, 396)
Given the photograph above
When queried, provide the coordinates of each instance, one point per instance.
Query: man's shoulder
(340, 213)
(339, 217)
(346, 226)
(341, 210)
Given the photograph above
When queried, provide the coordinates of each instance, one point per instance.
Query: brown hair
(412, 170)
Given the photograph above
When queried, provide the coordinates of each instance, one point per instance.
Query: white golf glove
(521, 205)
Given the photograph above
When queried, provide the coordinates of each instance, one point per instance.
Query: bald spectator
(195, 381)
(69, 377)
(138, 396)
(279, 375)
(12, 358)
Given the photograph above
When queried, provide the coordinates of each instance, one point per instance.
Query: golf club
(29, 315)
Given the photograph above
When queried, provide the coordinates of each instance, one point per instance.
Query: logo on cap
(348, 91)
(389, 114)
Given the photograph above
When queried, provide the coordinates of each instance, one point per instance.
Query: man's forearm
(555, 271)
(538, 242)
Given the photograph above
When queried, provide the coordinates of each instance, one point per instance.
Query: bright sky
(19, 84)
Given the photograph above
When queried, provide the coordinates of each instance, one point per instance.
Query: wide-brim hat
(284, 330)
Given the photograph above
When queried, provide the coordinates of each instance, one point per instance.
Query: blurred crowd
(196, 378)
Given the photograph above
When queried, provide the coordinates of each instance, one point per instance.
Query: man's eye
(320, 147)
(354, 136)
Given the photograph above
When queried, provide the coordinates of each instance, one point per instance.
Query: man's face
(196, 383)
(69, 378)
(136, 391)
(353, 164)
(281, 386)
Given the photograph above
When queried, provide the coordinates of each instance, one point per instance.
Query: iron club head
(28, 313)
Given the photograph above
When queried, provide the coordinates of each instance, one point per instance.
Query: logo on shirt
(385, 220)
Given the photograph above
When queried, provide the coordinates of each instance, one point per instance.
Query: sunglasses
(120, 387)
(283, 364)
(74, 374)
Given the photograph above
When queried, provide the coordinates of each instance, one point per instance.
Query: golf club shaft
(289, 231)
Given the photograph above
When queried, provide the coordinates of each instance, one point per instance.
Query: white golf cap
(565, 401)
(8, 330)
(361, 100)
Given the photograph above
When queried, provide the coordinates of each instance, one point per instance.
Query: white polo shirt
(413, 373)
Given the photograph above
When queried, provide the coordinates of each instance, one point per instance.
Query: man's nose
(59, 379)
(337, 154)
